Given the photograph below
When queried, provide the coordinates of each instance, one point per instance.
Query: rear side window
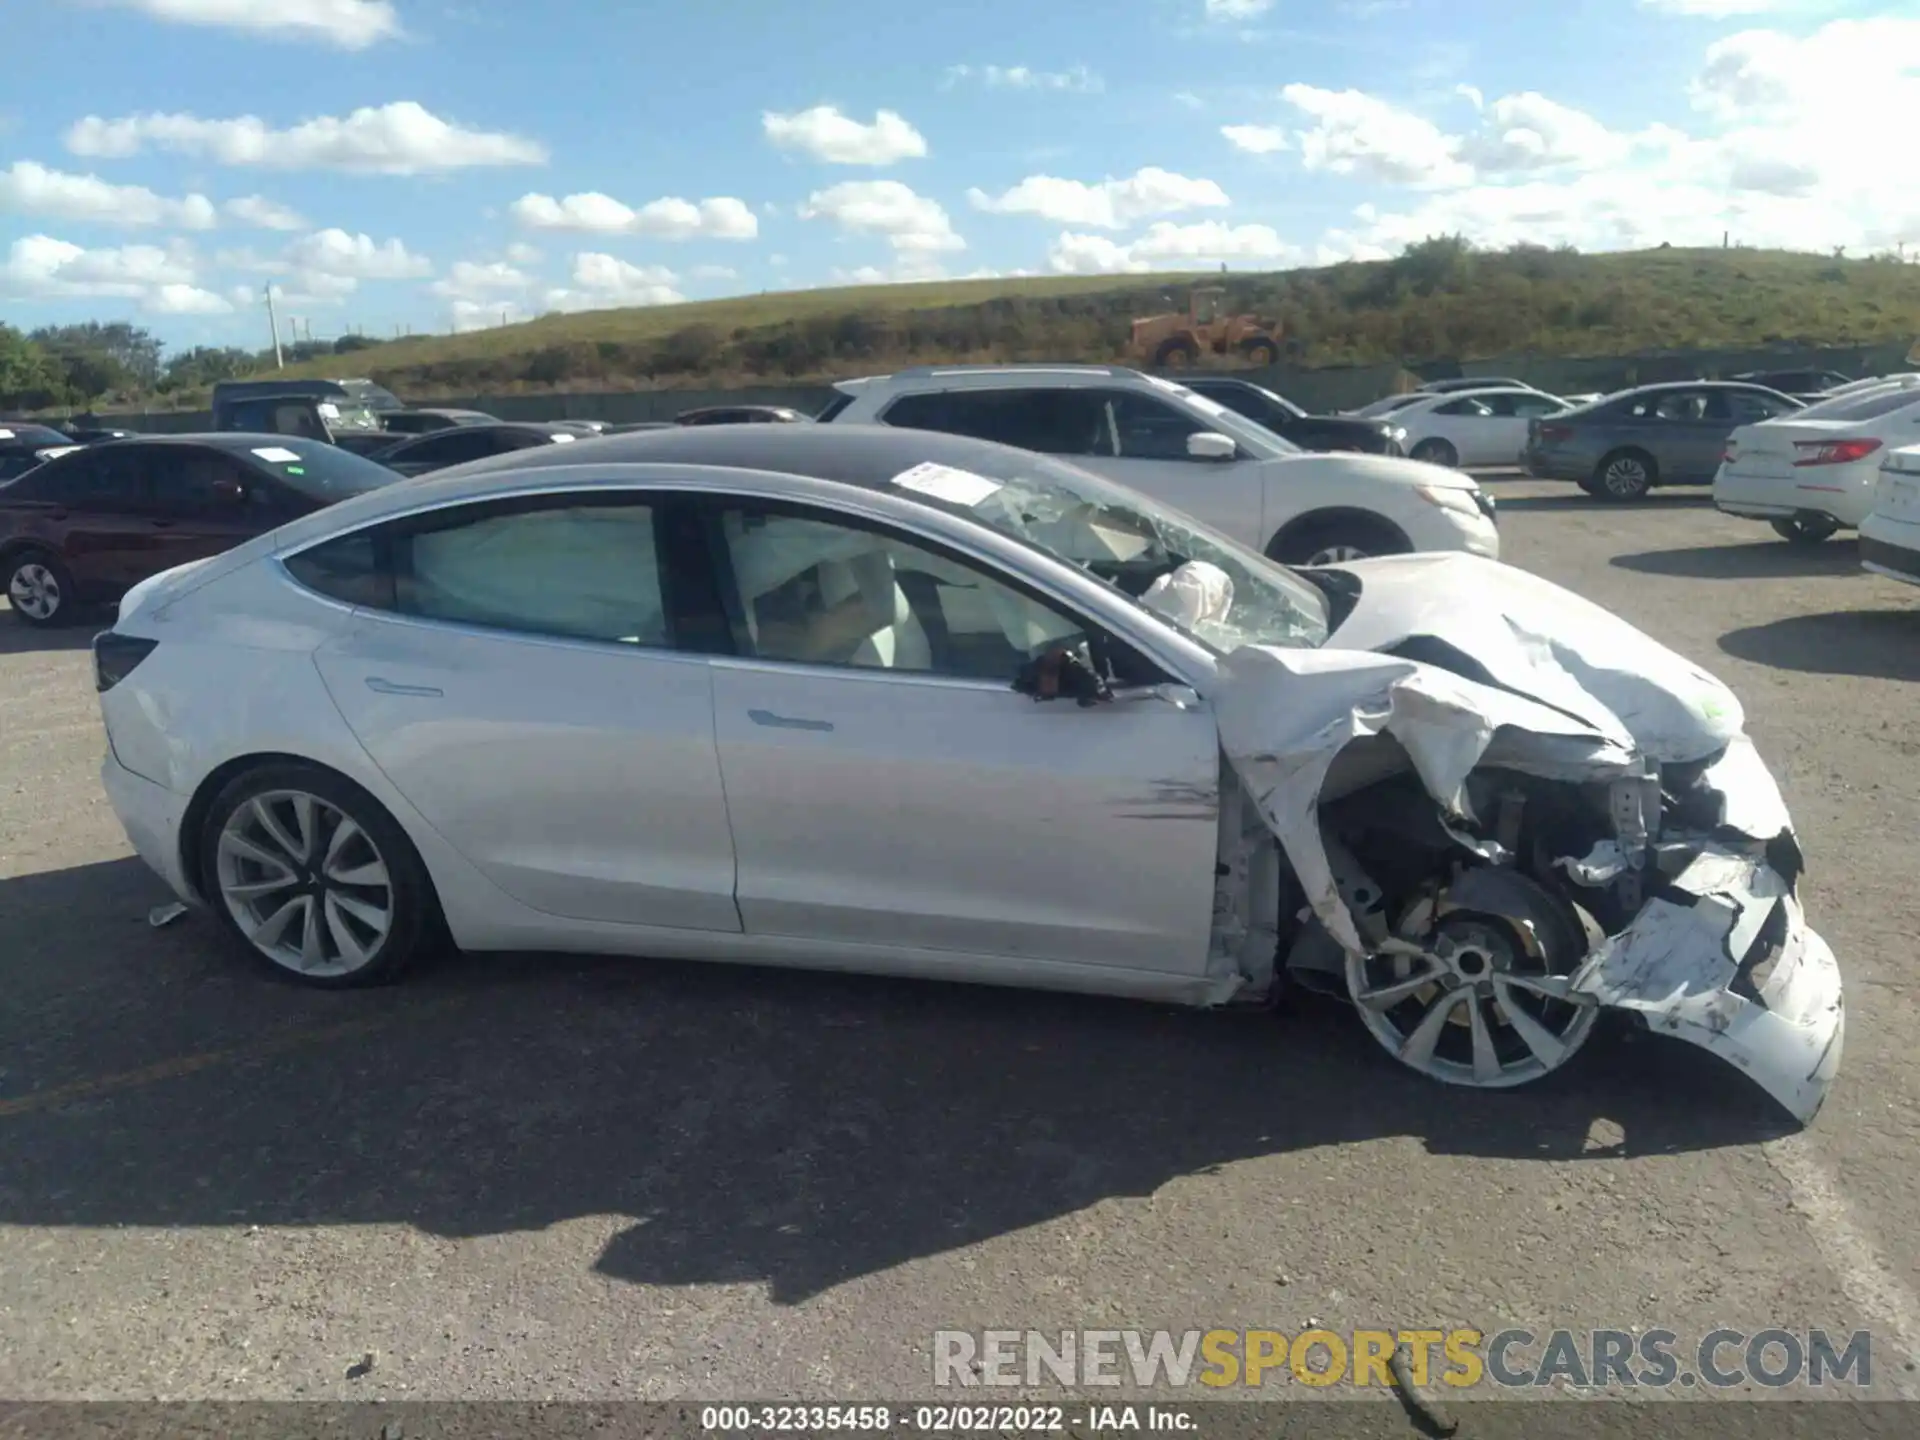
(1051, 422)
(350, 570)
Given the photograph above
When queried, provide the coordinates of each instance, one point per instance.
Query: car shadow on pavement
(788, 1129)
(19, 639)
(1883, 644)
(1760, 560)
(1580, 500)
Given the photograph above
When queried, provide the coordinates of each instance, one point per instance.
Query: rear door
(516, 669)
(98, 507)
(1464, 424)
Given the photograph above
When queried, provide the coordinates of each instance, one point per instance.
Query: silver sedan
(894, 701)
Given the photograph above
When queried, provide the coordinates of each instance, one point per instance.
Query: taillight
(115, 656)
(1554, 434)
(1832, 452)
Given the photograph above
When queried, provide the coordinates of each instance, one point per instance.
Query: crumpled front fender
(1684, 962)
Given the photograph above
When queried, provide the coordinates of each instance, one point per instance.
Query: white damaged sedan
(893, 701)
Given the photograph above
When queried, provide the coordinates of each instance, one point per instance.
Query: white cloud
(178, 299)
(355, 257)
(1169, 246)
(1360, 134)
(1078, 79)
(714, 272)
(264, 214)
(1531, 132)
(669, 218)
(909, 221)
(470, 279)
(485, 314)
(823, 133)
(1237, 9)
(403, 138)
(161, 280)
(1712, 9)
(1255, 139)
(521, 253)
(347, 24)
(606, 282)
(1110, 205)
(33, 189)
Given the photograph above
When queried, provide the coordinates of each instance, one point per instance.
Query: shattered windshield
(1203, 584)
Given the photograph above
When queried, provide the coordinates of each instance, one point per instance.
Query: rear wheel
(1805, 529)
(315, 878)
(1625, 475)
(39, 588)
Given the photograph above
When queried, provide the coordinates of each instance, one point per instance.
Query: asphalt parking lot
(527, 1177)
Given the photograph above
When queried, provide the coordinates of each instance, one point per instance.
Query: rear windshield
(318, 470)
(1866, 407)
(20, 434)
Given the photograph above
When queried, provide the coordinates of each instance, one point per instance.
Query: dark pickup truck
(346, 413)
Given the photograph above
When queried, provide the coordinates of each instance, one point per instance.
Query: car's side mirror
(1062, 674)
(1208, 445)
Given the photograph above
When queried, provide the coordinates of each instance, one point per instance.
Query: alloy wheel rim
(305, 882)
(1334, 554)
(1472, 1010)
(1626, 477)
(34, 591)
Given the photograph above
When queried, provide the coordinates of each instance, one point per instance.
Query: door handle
(785, 722)
(381, 686)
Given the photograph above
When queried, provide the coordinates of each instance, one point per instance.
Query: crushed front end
(1482, 873)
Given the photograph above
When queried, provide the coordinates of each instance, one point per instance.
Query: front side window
(815, 590)
(1146, 428)
(1462, 407)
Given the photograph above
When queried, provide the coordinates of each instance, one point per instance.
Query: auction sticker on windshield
(277, 454)
(943, 482)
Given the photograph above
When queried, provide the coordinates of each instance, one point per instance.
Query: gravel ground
(523, 1178)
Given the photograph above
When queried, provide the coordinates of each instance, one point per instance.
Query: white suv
(1165, 441)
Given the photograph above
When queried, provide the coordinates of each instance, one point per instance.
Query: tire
(1806, 530)
(1176, 354)
(337, 885)
(1260, 352)
(1625, 475)
(1437, 452)
(39, 588)
(1331, 541)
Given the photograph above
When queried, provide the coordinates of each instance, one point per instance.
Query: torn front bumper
(1727, 961)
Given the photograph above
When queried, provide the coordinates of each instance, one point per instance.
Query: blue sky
(422, 164)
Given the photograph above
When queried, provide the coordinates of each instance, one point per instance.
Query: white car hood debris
(1564, 691)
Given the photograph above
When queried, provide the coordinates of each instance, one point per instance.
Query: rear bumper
(151, 815)
(1553, 465)
(1842, 499)
(1896, 562)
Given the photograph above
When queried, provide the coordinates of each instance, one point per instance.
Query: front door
(518, 681)
(198, 503)
(888, 787)
(1141, 441)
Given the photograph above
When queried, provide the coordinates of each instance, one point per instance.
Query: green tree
(29, 379)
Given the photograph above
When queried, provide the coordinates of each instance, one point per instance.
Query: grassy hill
(1441, 300)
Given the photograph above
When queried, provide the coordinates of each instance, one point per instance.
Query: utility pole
(273, 325)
